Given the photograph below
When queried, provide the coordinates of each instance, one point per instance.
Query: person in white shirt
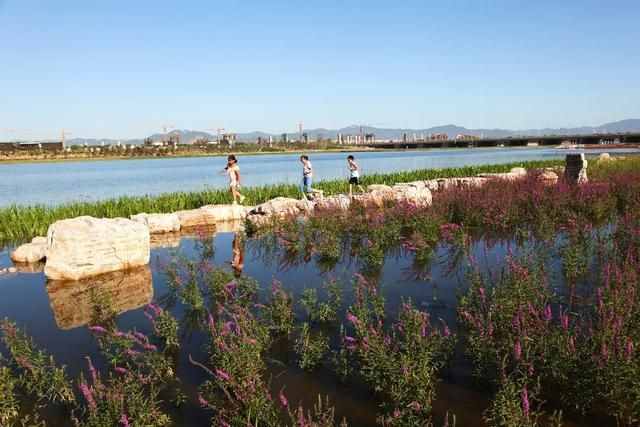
(233, 171)
(354, 175)
(307, 174)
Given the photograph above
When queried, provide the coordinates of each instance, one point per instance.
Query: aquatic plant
(311, 346)
(39, 375)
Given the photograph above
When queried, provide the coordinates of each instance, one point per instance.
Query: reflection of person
(307, 174)
(237, 251)
(233, 170)
(354, 175)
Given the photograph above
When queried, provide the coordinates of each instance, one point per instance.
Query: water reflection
(72, 302)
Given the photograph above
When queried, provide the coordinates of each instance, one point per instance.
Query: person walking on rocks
(307, 175)
(354, 175)
(233, 171)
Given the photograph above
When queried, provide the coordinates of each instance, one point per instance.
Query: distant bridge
(516, 141)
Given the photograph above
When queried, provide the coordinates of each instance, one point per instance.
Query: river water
(56, 183)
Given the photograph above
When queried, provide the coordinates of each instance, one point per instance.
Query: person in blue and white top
(354, 175)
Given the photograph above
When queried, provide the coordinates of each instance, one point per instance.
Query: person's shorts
(354, 180)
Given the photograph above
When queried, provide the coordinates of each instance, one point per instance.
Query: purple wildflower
(629, 349)
(547, 313)
(517, 351)
(524, 396)
(92, 370)
(88, 395)
(202, 402)
(222, 375)
(120, 370)
(283, 399)
(124, 420)
(98, 329)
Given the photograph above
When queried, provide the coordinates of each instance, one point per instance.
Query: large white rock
(212, 214)
(548, 177)
(446, 183)
(283, 206)
(159, 223)
(518, 171)
(336, 202)
(85, 246)
(225, 213)
(31, 252)
(408, 193)
(379, 188)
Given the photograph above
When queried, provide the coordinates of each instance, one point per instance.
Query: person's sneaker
(234, 203)
(242, 199)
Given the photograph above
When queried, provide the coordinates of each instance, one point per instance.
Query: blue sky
(122, 69)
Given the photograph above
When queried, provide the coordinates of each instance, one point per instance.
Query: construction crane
(218, 132)
(63, 135)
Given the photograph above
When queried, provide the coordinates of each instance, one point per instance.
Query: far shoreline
(352, 149)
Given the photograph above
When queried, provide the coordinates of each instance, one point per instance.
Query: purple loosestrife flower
(157, 310)
(629, 349)
(124, 420)
(547, 313)
(222, 375)
(517, 351)
(92, 370)
(88, 396)
(212, 324)
(524, 396)
(564, 320)
(202, 402)
(283, 399)
(120, 370)
(97, 329)
(353, 319)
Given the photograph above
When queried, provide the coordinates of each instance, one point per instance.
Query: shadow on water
(56, 314)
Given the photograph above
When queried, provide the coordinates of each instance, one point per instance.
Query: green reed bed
(23, 222)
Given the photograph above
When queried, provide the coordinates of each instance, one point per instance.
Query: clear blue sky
(122, 68)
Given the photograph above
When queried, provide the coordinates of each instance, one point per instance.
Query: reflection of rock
(37, 267)
(31, 252)
(72, 302)
(158, 223)
(166, 240)
(85, 246)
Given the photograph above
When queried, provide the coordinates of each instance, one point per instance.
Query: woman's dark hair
(304, 157)
(230, 158)
(350, 157)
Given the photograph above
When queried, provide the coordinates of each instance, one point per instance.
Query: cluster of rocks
(84, 247)
(417, 193)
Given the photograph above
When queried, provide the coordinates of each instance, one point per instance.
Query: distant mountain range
(189, 136)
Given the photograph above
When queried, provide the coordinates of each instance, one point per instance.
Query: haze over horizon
(123, 70)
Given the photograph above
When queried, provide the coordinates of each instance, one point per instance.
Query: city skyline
(121, 70)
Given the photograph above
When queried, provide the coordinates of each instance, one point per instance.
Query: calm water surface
(55, 183)
(56, 315)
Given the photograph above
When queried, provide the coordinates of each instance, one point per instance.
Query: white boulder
(283, 206)
(337, 202)
(31, 252)
(211, 214)
(414, 195)
(159, 223)
(85, 246)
